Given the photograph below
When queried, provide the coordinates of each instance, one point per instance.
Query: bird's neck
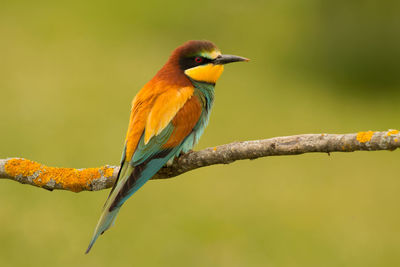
(205, 91)
(171, 72)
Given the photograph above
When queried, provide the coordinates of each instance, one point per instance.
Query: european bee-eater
(168, 117)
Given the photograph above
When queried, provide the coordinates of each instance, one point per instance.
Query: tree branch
(91, 179)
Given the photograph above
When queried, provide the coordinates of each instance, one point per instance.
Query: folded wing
(158, 127)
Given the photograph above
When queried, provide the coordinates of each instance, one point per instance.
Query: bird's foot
(169, 162)
(183, 153)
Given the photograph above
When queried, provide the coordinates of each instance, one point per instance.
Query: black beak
(225, 59)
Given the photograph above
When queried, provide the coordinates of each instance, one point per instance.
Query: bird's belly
(193, 138)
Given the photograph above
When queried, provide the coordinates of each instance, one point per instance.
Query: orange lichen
(107, 171)
(24, 167)
(215, 148)
(75, 180)
(69, 178)
(363, 137)
(391, 132)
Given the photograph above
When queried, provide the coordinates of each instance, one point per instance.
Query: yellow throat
(205, 73)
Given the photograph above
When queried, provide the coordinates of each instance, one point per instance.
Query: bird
(168, 116)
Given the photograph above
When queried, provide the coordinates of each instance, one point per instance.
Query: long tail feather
(130, 180)
(107, 219)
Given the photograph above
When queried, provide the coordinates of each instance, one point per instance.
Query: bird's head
(202, 61)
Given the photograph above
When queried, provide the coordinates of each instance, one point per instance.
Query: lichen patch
(364, 137)
(24, 167)
(72, 179)
(392, 132)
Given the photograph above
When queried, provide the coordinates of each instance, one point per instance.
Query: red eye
(198, 59)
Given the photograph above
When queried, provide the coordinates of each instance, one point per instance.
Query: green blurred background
(69, 70)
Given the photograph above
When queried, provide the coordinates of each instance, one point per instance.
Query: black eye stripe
(191, 62)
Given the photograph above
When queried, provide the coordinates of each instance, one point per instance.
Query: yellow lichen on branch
(71, 179)
(364, 137)
(392, 132)
(24, 167)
